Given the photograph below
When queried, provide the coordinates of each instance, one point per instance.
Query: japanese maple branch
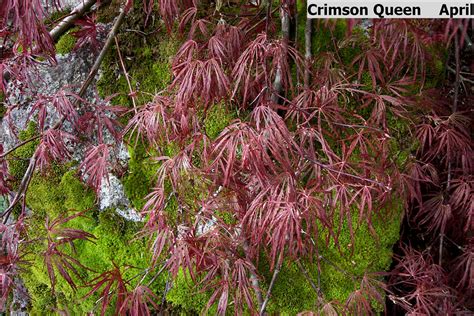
(255, 282)
(339, 172)
(272, 283)
(461, 77)
(103, 52)
(68, 21)
(308, 277)
(21, 190)
(285, 29)
(267, 18)
(261, 21)
(29, 140)
(453, 109)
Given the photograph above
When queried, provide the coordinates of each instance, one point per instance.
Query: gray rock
(50, 5)
(111, 194)
(70, 72)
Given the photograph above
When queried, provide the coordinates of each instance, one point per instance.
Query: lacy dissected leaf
(53, 147)
(138, 302)
(87, 33)
(94, 168)
(111, 286)
(61, 102)
(101, 117)
(57, 259)
(201, 80)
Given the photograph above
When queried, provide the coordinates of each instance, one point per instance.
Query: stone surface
(70, 72)
(112, 195)
(50, 5)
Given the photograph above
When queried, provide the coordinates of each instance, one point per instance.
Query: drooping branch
(23, 143)
(132, 93)
(255, 282)
(308, 277)
(454, 108)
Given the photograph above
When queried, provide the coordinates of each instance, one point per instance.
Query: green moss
(77, 196)
(57, 191)
(147, 63)
(293, 293)
(56, 16)
(115, 243)
(108, 11)
(368, 254)
(138, 181)
(66, 43)
(186, 296)
(3, 108)
(217, 118)
(19, 159)
(227, 216)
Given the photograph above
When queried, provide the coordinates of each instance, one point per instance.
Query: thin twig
(132, 93)
(21, 190)
(103, 52)
(255, 281)
(272, 283)
(340, 172)
(453, 109)
(29, 140)
(261, 21)
(157, 274)
(338, 268)
(308, 277)
(168, 287)
(308, 50)
(461, 77)
(267, 18)
(316, 288)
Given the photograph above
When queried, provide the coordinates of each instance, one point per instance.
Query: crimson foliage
(305, 156)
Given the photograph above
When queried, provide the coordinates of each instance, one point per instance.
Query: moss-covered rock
(115, 243)
(186, 296)
(341, 268)
(148, 64)
(147, 60)
(66, 43)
